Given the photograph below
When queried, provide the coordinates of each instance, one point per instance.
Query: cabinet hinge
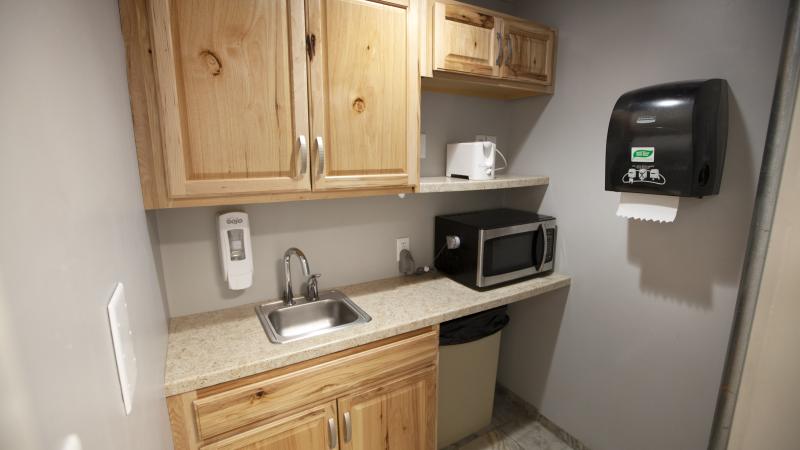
(311, 46)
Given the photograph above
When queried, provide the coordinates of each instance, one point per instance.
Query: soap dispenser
(236, 250)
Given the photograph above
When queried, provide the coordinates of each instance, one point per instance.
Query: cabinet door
(232, 94)
(528, 52)
(312, 429)
(466, 40)
(365, 93)
(399, 415)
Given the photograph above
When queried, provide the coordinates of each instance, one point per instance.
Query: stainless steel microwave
(484, 249)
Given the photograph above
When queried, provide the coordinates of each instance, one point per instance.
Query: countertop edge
(188, 384)
(434, 185)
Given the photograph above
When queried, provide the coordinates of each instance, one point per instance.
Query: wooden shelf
(447, 184)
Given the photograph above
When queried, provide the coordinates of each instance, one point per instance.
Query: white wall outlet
(72, 442)
(122, 338)
(423, 147)
(485, 137)
(403, 243)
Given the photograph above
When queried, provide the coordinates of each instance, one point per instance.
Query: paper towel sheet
(659, 208)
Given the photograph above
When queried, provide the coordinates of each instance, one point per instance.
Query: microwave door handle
(541, 237)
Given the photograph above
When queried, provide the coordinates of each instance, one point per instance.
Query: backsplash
(347, 240)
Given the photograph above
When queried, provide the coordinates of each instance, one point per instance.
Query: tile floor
(513, 428)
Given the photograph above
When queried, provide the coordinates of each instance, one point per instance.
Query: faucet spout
(288, 293)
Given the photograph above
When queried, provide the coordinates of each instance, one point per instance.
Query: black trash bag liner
(473, 327)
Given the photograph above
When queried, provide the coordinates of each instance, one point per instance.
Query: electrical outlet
(72, 442)
(485, 137)
(403, 243)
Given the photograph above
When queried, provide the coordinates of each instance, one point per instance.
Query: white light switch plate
(122, 337)
(72, 442)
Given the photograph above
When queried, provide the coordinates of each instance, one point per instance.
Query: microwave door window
(510, 253)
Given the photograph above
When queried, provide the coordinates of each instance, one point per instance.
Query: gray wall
(72, 226)
(347, 240)
(631, 358)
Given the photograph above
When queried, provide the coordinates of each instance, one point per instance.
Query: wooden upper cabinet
(467, 40)
(312, 429)
(528, 52)
(364, 85)
(232, 95)
(471, 50)
(254, 101)
(400, 415)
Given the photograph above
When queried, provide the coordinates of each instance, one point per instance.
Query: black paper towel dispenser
(669, 139)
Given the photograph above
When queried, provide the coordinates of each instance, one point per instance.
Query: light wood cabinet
(310, 429)
(528, 52)
(248, 101)
(467, 40)
(378, 396)
(365, 94)
(397, 415)
(232, 95)
(470, 50)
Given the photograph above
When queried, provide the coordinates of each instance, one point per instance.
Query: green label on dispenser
(643, 154)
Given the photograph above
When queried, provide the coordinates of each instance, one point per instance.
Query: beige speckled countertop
(447, 184)
(219, 346)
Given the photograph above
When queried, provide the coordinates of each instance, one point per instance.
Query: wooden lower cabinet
(397, 415)
(377, 396)
(313, 428)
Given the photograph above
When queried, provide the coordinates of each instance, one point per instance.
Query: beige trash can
(467, 374)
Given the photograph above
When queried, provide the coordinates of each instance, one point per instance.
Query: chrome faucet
(312, 287)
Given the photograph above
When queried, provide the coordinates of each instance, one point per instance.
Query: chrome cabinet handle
(333, 438)
(510, 50)
(302, 156)
(321, 155)
(499, 49)
(348, 427)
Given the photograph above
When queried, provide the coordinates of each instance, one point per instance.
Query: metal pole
(760, 228)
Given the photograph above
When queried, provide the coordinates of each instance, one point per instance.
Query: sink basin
(333, 311)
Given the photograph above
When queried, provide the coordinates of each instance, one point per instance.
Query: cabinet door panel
(232, 95)
(364, 88)
(399, 415)
(466, 40)
(528, 52)
(307, 430)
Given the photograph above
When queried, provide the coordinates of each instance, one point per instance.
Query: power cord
(505, 161)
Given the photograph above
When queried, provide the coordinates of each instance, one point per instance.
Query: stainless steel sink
(333, 311)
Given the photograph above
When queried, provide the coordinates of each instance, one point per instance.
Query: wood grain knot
(359, 105)
(260, 394)
(212, 62)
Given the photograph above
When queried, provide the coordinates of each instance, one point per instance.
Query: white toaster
(471, 160)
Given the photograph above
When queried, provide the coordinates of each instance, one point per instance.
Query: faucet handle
(312, 287)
